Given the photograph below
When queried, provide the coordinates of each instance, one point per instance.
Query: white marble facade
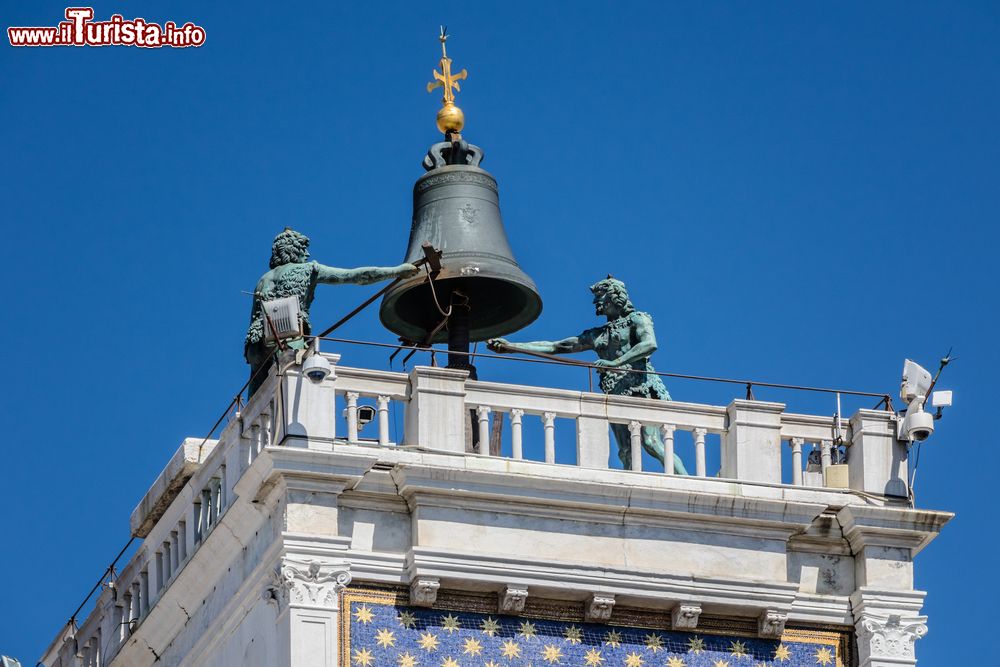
(249, 541)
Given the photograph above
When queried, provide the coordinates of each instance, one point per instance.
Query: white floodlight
(916, 381)
(282, 319)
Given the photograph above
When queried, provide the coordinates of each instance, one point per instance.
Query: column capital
(310, 584)
(889, 639)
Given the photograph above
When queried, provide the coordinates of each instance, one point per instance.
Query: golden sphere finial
(450, 118)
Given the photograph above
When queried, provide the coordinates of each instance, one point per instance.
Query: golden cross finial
(450, 118)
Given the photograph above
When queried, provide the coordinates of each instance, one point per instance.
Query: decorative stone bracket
(424, 591)
(512, 599)
(889, 638)
(599, 607)
(307, 583)
(771, 623)
(685, 616)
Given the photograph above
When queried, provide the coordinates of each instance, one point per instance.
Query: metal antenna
(947, 359)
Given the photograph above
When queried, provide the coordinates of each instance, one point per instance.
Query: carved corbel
(771, 623)
(599, 607)
(889, 637)
(424, 591)
(307, 583)
(512, 599)
(685, 616)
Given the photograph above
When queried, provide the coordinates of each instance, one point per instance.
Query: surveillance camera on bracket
(917, 383)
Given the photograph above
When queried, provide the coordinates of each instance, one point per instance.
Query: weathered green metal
(626, 341)
(456, 209)
(291, 274)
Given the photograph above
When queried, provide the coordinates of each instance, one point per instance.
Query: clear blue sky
(797, 192)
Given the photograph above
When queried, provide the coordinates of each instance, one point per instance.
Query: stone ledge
(182, 466)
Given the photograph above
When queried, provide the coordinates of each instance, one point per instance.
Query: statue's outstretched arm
(363, 275)
(564, 346)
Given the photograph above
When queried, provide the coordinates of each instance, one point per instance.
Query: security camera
(366, 414)
(917, 425)
(316, 368)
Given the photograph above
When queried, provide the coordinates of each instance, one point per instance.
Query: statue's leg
(260, 360)
(652, 442)
(624, 444)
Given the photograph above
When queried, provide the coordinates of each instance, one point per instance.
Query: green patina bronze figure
(626, 341)
(292, 274)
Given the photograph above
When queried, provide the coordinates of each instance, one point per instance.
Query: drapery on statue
(292, 274)
(627, 340)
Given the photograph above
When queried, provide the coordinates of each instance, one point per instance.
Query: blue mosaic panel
(382, 634)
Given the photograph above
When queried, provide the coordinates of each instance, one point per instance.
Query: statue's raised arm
(292, 274)
(624, 346)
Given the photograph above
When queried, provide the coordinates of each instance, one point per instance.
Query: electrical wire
(437, 304)
(583, 364)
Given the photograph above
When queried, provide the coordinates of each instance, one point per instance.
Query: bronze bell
(456, 209)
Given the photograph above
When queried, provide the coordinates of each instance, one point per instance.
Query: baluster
(635, 442)
(182, 541)
(265, 431)
(699, 451)
(796, 444)
(667, 431)
(196, 521)
(121, 619)
(144, 592)
(161, 576)
(549, 420)
(208, 517)
(515, 433)
(134, 610)
(166, 570)
(255, 442)
(383, 420)
(175, 556)
(223, 496)
(483, 415)
(826, 456)
(352, 416)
